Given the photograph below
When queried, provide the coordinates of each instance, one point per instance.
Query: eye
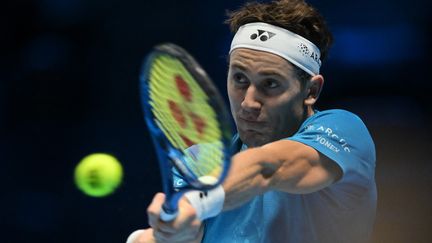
(271, 83)
(239, 78)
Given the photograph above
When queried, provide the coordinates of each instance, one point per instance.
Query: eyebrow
(265, 72)
(239, 66)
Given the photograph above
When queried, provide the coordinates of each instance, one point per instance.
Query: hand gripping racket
(183, 109)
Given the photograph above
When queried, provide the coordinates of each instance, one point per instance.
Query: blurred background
(69, 87)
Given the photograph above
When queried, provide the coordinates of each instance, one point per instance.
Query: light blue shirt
(342, 212)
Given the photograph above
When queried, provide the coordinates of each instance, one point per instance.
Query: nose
(251, 102)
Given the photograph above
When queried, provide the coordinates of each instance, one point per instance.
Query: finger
(186, 235)
(183, 222)
(187, 215)
(162, 237)
(172, 238)
(154, 209)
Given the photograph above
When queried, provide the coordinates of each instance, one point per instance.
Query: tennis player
(301, 175)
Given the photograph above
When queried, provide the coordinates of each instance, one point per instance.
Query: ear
(313, 89)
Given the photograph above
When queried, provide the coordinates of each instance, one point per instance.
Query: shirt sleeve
(342, 137)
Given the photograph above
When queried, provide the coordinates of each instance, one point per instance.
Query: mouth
(252, 121)
(250, 125)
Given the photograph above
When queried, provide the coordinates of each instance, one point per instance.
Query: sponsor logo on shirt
(327, 137)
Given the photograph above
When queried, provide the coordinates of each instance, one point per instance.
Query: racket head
(186, 116)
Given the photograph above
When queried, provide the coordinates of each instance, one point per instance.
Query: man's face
(266, 97)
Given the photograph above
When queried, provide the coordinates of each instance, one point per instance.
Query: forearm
(302, 168)
(282, 165)
(247, 178)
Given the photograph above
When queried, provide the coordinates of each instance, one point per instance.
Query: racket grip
(167, 216)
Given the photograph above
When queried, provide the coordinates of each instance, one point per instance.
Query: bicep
(299, 168)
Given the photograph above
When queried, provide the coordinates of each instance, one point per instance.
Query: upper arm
(334, 145)
(297, 168)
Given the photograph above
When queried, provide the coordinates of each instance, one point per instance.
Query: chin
(253, 139)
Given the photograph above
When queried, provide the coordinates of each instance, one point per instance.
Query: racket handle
(167, 216)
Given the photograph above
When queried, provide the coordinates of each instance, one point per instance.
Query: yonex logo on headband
(292, 47)
(263, 35)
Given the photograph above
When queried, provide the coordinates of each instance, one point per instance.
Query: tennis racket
(183, 109)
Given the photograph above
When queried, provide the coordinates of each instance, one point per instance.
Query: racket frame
(168, 156)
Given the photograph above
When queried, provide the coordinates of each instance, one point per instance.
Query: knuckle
(153, 211)
(150, 210)
(162, 237)
(196, 224)
(159, 197)
(190, 212)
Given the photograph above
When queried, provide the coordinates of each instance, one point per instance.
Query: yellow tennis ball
(98, 175)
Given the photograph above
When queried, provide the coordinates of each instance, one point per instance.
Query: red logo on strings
(180, 116)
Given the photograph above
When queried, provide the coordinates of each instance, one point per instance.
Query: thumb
(154, 209)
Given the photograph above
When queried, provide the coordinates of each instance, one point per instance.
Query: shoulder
(338, 133)
(336, 120)
(337, 116)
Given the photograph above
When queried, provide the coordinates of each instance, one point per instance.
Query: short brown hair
(294, 15)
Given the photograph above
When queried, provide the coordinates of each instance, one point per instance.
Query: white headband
(284, 43)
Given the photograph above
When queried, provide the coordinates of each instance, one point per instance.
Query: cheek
(234, 97)
(279, 117)
(286, 113)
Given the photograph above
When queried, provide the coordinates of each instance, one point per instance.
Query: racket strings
(184, 115)
(184, 111)
(206, 163)
(173, 127)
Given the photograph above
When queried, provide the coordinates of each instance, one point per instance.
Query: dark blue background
(68, 87)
